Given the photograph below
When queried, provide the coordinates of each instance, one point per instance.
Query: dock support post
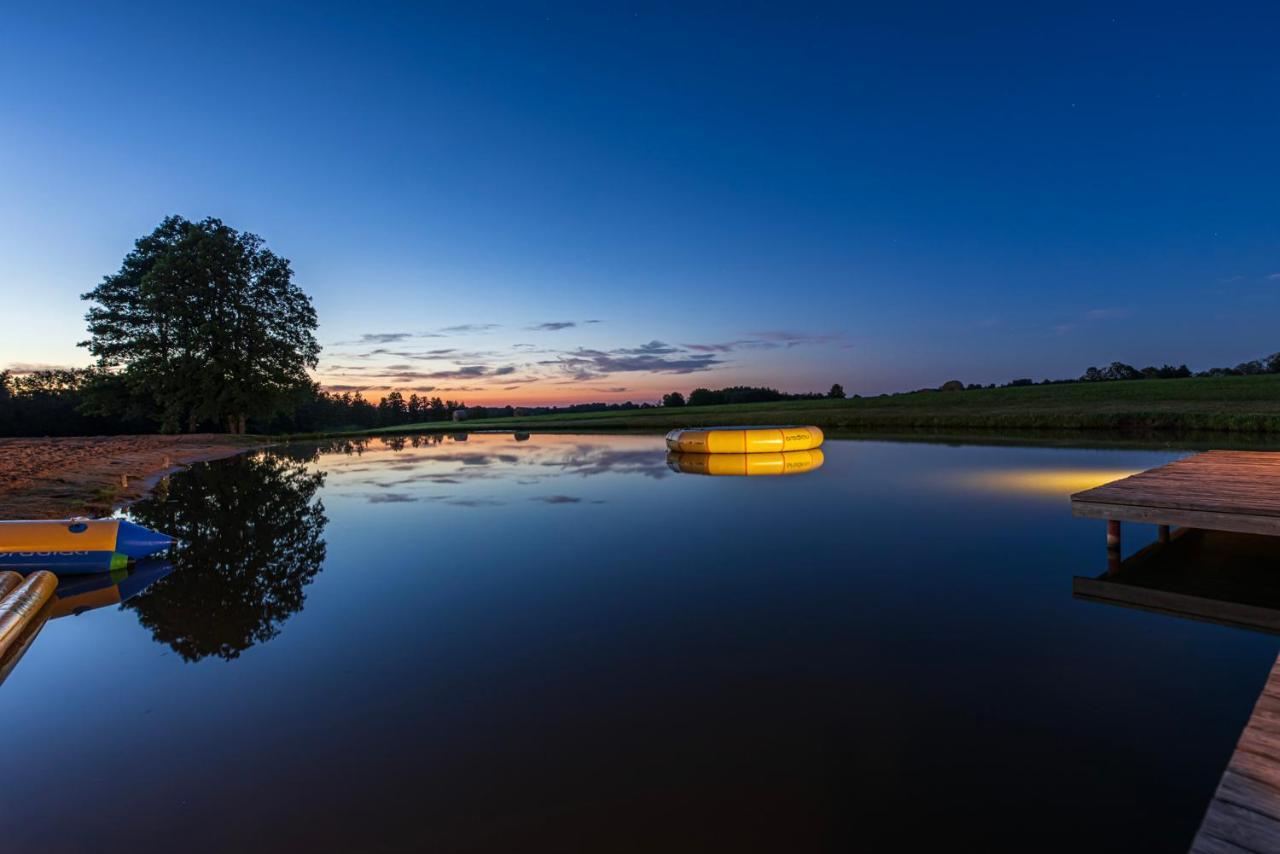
(1162, 532)
(1113, 534)
(1113, 546)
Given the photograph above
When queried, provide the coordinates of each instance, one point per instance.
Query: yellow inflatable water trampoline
(749, 465)
(743, 440)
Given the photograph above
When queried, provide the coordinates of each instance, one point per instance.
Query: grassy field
(1223, 404)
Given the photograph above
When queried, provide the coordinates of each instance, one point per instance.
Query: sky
(556, 203)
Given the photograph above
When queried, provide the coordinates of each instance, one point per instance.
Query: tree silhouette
(206, 323)
(837, 392)
(250, 533)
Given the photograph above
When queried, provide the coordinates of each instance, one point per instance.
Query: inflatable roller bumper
(743, 440)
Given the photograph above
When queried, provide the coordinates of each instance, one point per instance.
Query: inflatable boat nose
(138, 542)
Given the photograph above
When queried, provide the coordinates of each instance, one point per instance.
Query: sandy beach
(49, 478)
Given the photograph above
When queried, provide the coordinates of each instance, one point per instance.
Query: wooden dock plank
(1217, 490)
(1244, 814)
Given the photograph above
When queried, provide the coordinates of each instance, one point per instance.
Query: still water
(561, 643)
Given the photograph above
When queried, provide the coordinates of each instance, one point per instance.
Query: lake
(559, 642)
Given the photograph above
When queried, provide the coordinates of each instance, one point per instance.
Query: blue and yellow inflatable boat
(73, 546)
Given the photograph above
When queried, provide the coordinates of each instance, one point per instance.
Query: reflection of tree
(250, 538)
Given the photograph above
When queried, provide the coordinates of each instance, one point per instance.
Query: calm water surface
(560, 643)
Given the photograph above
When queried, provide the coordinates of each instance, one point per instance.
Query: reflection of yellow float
(791, 462)
(743, 440)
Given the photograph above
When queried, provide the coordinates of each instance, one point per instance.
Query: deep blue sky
(885, 196)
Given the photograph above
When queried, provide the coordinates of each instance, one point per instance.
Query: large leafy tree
(204, 323)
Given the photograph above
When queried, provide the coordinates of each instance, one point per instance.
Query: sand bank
(51, 478)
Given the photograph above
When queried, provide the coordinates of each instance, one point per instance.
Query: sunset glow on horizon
(481, 364)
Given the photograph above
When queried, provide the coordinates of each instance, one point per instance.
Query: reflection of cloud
(474, 502)
(589, 460)
(556, 499)
(492, 456)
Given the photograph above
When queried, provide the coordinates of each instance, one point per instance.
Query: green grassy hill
(1242, 404)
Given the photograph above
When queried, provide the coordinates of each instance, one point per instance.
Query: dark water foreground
(561, 644)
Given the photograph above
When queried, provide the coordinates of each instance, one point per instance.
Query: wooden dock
(1217, 490)
(1235, 491)
(1244, 814)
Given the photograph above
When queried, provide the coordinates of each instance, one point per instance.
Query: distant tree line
(70, 403)
(743, 394)
(1119, 371)
(59, 403)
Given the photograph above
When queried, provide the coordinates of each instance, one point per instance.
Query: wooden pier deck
(1244, 815)
(1217, 490)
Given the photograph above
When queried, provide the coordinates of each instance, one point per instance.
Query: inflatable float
(743, 440)
(9, 582)
(746, 465)
(21, 605)
(23, 612)
(76, 545)
(81, 593)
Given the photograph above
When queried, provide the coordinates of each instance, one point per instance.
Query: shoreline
(59, 477)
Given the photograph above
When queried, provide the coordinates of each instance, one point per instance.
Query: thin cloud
(793, 339)
(730, 346)
(383, 337)
(654, 357)
(553, 326)
(653, 348)
(466, 372)
(557, 499)
(469, 327)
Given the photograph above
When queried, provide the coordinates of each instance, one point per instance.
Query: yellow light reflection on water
(1057, 483)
